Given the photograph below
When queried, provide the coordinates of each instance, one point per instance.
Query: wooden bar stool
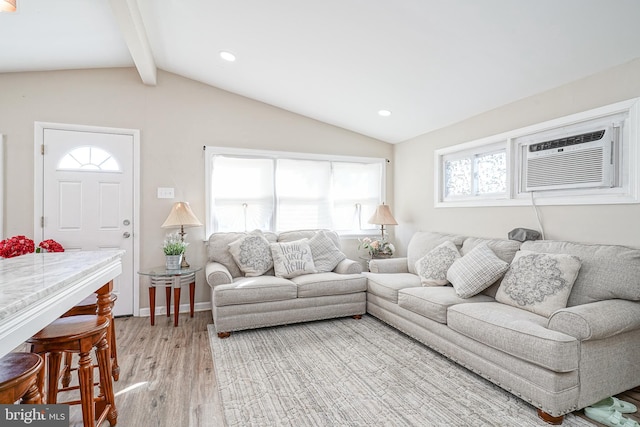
(79, 334)
(19, 378)
(89, 306)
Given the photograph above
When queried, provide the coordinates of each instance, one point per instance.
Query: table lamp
(382, 217)
(181, 216)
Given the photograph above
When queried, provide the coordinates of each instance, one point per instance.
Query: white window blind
(277, 191)
(242, 193)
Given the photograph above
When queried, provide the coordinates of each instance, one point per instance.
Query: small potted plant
(377, 248)
(173, 248)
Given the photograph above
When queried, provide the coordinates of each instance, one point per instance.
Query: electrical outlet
(165, 193)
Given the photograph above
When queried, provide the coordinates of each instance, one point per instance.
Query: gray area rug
(347, 372)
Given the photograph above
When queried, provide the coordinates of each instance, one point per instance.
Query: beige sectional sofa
(560, 357)
(311, 279)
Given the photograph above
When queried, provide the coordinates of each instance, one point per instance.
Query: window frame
(472, 153)
(210, 151)
(628, 188)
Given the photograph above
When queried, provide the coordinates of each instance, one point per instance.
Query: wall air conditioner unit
(579, 161)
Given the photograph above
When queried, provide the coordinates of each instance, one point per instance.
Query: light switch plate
(165, 193)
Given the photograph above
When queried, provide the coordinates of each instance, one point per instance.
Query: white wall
(176, 119)
(413, 180)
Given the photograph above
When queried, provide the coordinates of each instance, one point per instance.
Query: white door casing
(86, 198)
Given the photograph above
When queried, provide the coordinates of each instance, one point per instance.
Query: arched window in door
(89, 159)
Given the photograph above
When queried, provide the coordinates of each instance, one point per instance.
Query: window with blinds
(279, 191)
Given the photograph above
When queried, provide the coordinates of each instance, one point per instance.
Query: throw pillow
(252, 254)
(292, 259)
(432, 268)
(539, 282)
(476, 271)
(325, 253)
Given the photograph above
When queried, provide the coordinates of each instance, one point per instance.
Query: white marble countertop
(37, 288)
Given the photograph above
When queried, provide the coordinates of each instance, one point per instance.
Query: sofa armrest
(348, 266)
(597, 320)
(217, 274)
(389, 265)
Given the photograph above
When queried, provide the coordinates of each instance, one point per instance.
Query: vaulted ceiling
(430, 63)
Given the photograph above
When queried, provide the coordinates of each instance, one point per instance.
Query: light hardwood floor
(167, 377)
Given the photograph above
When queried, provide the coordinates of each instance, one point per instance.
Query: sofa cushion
(607, 271)
(218, 249)
(326, 255)
(248, 290)
(328, 283)
(517, 332)
(252, 254)
(539, 282)
(290, 236)
(387, 285)
(476, 271)
(423, 241)
(292, 259)
(504, 249)
(432, 268)
(433, 302)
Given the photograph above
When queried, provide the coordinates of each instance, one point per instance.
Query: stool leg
(176, 311)
(66, 375)
(115, 368)
(106, 385)
(53, 370)
(85, 377)
(192, 292)
(152, 304)
(33, 396)
(167, 291)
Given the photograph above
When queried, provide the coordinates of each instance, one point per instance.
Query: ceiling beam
(128, 16)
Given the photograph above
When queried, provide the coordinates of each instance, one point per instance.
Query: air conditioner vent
(576, 161)
(565, 142)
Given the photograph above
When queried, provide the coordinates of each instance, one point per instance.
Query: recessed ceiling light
(227, 56)
(384, 113)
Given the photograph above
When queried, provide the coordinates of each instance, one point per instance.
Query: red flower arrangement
(20, 245)
(50, 245)
(15, 246)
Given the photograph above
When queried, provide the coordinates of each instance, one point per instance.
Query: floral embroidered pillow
(539, 282)
(432, 268)
(292, 259)
(252, 254)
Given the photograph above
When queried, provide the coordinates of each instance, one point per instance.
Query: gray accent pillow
(325, 253)
(432, 268)
(252, 254)
(292, 259)
(539, 282)
(476, 271)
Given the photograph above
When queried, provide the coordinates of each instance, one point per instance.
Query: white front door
(88, 197)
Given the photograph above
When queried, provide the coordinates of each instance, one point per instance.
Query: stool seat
(79, 334)
(89, 306)
(19, 378)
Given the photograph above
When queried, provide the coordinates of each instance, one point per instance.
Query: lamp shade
(181, 215)
(382, 216)
(7, 5)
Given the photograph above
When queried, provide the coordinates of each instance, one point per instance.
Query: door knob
(126, 234)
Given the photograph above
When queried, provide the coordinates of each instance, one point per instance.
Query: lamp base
(184, 263)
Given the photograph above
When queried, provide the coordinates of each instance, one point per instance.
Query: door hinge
(42, 222)
(42, 149)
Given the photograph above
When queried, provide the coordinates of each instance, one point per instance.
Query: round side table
(161, 277)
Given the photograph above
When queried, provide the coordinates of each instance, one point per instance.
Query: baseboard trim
(184, 308)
